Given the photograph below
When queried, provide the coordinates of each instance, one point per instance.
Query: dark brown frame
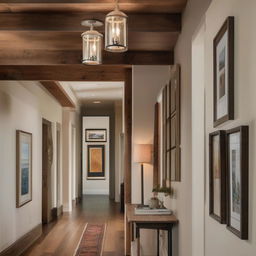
(105, 130)
(244, 163)
(96, 175)
(229, 27)
(222, 164)
(18, 133)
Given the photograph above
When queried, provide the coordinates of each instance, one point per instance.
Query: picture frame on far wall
(223, 63)
(96, 162)
(96, 135)
(23, 168)
(237, 181)
(217, 176)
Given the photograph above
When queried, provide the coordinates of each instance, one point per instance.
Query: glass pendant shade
(116, 31)
(92, 45)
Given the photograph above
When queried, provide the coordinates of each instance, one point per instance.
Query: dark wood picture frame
(96, 140)
(244, 181)
(19, 203)
(222, 165)
(228, 27)
(96, 175)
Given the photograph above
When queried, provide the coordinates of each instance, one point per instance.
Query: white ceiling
(91, 91)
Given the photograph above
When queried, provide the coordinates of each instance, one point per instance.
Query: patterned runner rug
(91, 242)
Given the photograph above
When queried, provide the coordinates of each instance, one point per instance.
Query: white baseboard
(96, 192)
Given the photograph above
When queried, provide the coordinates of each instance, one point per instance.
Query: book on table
(145, 210)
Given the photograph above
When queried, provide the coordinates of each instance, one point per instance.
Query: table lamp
(142, 155)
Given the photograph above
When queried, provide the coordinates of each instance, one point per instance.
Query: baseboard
(96, 192)
(23, 243)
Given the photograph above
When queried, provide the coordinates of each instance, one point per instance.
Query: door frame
(46, 174)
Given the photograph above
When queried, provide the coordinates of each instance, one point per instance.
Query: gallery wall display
(96, 162)
(217, 175)
(23, 168)
(237, 181)
(96, 135)
(223, 52)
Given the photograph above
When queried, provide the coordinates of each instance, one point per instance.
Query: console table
(157, 222)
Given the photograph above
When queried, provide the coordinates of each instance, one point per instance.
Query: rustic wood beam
(72, 22)
(134, 6)
(66, 57)
(63, 73)
(58, 93)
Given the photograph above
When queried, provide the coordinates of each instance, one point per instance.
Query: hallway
(61, 238)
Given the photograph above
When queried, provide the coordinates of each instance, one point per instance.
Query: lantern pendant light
(92, 43)
(116, 34)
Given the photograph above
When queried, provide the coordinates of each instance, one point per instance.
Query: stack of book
(145, 210)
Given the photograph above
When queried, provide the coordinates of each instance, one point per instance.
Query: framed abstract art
(23, 168)
(96, 162)
(223, 56)
(217, 175)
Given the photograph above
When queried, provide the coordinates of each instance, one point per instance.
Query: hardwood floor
(60, 238)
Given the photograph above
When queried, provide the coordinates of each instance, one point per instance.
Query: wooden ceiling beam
(129, 6)
(66, 57)
(58, 93)
(63, 73)
(72, 22)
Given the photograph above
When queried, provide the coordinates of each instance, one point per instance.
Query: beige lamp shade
(142, 153)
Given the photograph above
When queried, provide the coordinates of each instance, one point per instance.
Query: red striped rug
(91, 242)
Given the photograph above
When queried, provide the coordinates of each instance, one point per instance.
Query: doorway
(47, 155)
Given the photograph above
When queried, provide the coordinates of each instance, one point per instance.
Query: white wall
(147, 83)
(96, 186)
(22, 106)
(182, 202)
(218, 240)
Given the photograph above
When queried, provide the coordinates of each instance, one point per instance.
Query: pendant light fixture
(92, 43)
(116, 31)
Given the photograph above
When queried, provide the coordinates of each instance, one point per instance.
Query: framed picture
(223, 52)
(96, 162)
(237, 181)
(23, 168)
(217, 176)
(96, 135)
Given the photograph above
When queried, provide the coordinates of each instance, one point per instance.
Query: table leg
(158, 242)
(170, 241)
(138, 240)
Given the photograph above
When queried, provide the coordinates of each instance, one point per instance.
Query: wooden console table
(157, 222)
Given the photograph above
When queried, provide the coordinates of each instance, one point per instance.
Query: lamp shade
(142, 153)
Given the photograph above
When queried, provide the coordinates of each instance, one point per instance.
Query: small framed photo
(237, 181)
(23, 168)
(96, 135)
(96, 162)
(223, 56)
(217, 176)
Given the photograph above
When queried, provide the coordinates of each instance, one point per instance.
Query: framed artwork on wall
(96, 162)
(223, 63)
(217, 176)
(237, 181)
(96, 135)
(23, 168)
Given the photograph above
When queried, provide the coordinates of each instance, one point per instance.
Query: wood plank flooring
(61, 238)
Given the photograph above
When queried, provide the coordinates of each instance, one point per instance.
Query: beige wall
(218, 240)
(22, 107)
(181, 203)
(147, 83)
